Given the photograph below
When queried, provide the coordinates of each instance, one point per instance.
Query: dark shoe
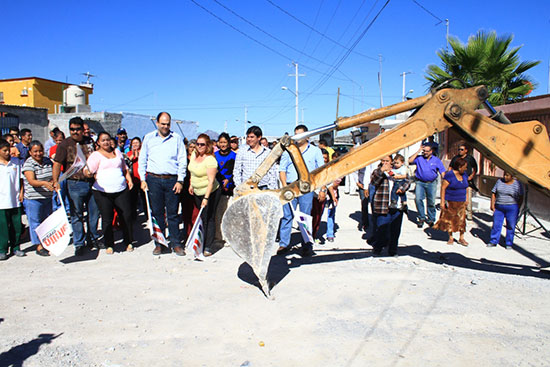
(376, 252)
(19, 253)
(330, 239)
(179, 251)
(508, 247)
(157, 250)
(490, 244)
(3, 257)
(307, 250)
(430, 224)
(42, 252)
(283, 250)
(79, 251)
(420, 223)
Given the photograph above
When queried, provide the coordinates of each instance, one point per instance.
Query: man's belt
(417, 179)
(164, 177)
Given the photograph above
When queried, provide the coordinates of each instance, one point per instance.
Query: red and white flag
(195, 242)
(55, 231)
(154, 228)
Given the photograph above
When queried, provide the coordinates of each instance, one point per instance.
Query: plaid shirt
(381, 183)
(246, 163)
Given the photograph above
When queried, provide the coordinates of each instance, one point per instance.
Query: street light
(296, 95)
(409, 92)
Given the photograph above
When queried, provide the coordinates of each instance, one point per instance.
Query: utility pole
(296, 75)
(337, 103)
(303, 115)
(447, 38)
(380, 80)
(403, 74)
(245, 120)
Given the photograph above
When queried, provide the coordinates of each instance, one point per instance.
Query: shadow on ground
(18, 354)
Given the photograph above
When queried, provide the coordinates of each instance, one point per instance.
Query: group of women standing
(506, 199)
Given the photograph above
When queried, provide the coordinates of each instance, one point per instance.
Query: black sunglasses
(75, 128)
(201, 144)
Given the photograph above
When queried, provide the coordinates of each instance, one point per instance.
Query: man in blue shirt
(287, 173)
(161, 165)
(23, 145)
(427, 168)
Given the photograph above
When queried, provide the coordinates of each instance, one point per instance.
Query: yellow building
(36, 92)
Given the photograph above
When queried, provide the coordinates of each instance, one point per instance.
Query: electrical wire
(427, 11)
(312, 29)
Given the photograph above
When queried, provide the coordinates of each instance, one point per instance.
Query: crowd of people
(179, 179)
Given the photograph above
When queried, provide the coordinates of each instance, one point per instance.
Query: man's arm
(474, 168)
(413, 157)
(237, 170)
(142, 163)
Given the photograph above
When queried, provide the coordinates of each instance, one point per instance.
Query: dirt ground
(433, 305)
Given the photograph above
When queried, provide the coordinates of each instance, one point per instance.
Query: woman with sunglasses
(204, 187)
(111, 189)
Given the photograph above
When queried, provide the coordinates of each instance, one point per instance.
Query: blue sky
(175, 56)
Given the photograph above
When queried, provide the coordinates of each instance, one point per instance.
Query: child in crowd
(399, 177)
(11, 196)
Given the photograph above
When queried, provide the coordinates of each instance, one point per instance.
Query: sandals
(130, 248)
(463, 243)
(109, 251)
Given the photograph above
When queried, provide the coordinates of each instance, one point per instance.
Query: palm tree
(485, 60)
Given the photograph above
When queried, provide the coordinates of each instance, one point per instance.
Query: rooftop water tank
(74, 96)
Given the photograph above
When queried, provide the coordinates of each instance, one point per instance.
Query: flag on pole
(195, 242)
(154, 228)
(78, 164)
(304, 222)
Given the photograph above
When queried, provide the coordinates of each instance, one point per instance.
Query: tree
(485, 60)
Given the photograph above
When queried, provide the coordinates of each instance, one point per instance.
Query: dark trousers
(364, 210)
(163, 199)
(208, 216)
(137, 195)
(388, 229)
(10, 229)
(107, 203)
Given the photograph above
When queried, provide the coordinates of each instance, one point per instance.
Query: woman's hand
(225, 183)
(87, 172)
(130, 185)
(48, 186)
(335, 202)
(204, 202)
(492, 207)
(191, 191)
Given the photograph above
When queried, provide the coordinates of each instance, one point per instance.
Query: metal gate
(7, 122)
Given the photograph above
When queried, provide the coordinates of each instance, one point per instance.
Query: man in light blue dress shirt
(162, 167)
(287, 173)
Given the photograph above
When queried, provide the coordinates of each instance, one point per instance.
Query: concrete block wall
(35, 119)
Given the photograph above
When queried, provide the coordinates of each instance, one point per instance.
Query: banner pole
(149, 212)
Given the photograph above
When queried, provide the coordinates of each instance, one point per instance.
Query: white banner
(55, 232)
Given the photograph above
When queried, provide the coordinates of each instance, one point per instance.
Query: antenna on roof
(88, 75)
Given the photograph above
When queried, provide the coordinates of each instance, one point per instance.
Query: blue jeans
(37, 211)
(388, 230)
(81, 199)
(306, 203)
(510, 212)
(425, 190)
(394, 195)
(331, 216)
(64, 196)
(163, 199)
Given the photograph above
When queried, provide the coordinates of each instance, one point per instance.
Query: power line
(272, 36)
(316, 31)
(255, 40)
(429, 12)
(322, 81)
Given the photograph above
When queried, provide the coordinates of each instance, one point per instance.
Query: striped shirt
(246, 163)
(507, 194)
(42, 172)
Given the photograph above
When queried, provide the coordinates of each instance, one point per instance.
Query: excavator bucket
(250, 227)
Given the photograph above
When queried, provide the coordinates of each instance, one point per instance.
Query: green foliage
(486, 59)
